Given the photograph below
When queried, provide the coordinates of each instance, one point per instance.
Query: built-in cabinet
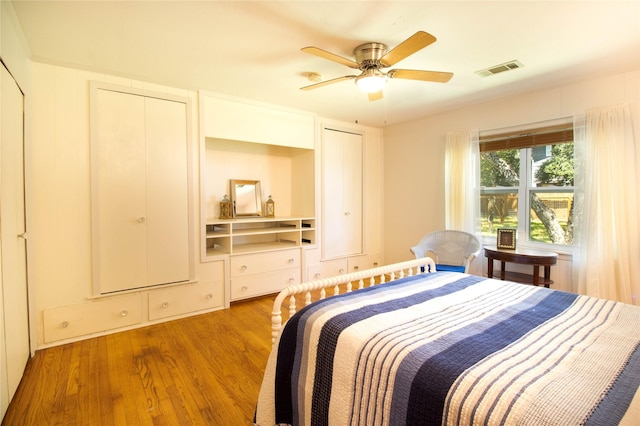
(316, 174)
(142, 220)
(140, 189)
(253, 141)
(14, 320)
(265, 253)
(341, 194)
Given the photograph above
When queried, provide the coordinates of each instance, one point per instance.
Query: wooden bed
(413, 347)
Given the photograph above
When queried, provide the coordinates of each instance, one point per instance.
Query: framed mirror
(246, 198)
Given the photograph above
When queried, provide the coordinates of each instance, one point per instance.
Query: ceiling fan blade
(326, 83)
(375, 96)
(435, 76)
(418, 41)
(330, 56)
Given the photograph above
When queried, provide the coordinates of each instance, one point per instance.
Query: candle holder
(270, 208)
(225, 208)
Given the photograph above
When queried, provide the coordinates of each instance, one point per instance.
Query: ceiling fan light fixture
(371, 80)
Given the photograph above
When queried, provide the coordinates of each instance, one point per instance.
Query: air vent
(497, 69)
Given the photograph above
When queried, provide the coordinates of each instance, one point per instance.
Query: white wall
(414, 152)
(13, 47)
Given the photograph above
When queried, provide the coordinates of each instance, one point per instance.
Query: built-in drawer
(258, 263)
(266, 283)
(92, 317)
(329, 268)
(360, 263)
(186, 298)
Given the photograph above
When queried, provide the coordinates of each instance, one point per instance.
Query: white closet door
(140, 189)
(341, 194)
(120, 211)
(167, 197)
(14, 317)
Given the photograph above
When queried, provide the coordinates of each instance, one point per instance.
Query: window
(527, 184)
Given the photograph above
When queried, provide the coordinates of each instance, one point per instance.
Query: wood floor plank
(201, 370)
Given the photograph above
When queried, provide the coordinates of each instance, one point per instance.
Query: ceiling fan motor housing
(368, 55)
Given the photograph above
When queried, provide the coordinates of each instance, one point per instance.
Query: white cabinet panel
(166, 192)
(119, 183)
(245, 121)
(140, 191)
(341, 194)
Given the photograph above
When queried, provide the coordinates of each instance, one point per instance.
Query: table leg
(536, 275)
(490, 267)
(547, 275)
(502, 262)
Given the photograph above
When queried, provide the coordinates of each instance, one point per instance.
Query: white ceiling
(252, 49)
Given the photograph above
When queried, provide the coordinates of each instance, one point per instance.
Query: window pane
(551, 217)
(499, 209)
(499, 178)
(552, 165)
(500, 168)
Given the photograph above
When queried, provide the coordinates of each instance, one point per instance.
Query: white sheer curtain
(462, 181)
(606, 261)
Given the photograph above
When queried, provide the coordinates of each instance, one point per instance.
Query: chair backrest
(449, 247)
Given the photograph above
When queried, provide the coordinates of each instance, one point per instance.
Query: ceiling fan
(371, 58)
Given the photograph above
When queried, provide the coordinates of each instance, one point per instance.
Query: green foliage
(500, 168)
(557, 169)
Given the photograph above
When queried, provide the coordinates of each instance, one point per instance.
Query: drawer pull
(317, 275)
(243, 267)
(375, 263)
(124, 313)
(141, 220)
(64, 324)
(209, 296)
(355, 268)
(291, 280)
(165, 305)
(244, 289)
(341, 270)
(291, 260)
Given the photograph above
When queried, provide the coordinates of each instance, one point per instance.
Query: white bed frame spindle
(392, 272)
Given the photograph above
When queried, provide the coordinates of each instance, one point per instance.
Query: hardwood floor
(202, 370)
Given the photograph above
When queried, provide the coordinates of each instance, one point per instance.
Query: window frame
(524, 140)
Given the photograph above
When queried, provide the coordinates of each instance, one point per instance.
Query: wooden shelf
(522, 278)
(241, 236)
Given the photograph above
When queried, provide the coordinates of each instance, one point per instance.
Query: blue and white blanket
(448, 348)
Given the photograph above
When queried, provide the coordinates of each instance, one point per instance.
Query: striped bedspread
(448, 348)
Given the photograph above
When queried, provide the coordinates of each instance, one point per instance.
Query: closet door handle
(141, 220)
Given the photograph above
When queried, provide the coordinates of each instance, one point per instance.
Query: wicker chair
(452, 250)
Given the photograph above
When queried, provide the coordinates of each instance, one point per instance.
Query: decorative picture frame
(506, 238)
